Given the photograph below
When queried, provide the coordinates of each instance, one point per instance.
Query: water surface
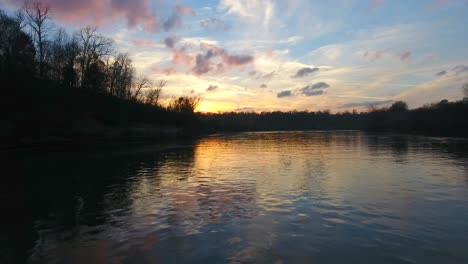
(292, 197)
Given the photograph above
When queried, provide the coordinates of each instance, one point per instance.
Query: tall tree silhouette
(93, 48)
(64, 53)
(38, 19)
(121, 75)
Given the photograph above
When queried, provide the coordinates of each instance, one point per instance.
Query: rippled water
(295, 197)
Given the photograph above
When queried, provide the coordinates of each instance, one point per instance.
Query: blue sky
(268, 55)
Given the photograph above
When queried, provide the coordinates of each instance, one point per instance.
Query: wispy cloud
(215, 24)
(175, 20)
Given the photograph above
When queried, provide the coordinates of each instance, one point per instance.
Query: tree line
(438, 119)
(32, 46)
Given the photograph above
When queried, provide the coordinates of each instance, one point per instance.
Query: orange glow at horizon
(210, 107)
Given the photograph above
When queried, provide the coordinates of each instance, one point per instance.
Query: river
(277, 197)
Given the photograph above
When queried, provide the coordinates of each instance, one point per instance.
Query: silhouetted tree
(37, 18)
(153, 94)
(64, 54)
(16, 47)
(93, 48)
(96, 77)
(121, 76)
(398, 106)
(184, 104)
(140, 83)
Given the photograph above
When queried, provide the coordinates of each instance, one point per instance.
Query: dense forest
(58, 86)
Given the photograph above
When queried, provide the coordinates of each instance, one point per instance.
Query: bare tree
(153, 95)
(20, 18)
(37, 18)
(93, 47)
(184, 104)
(121, 76)
(139, 84)
(64, 52)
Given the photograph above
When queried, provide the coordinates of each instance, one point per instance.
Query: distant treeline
(440, 119)
(55, 83)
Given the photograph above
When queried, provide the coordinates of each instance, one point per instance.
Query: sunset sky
(263, 55)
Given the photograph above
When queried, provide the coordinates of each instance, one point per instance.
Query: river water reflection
(291, 197)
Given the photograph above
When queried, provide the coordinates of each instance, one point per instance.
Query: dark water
(298, 197)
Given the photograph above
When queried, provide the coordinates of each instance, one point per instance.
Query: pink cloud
(169, 71)
(211, 48)
(269, 53)
(143, 42)
(181, 9)
(376, 3)
(232, 60)
(180, 57)
(137, 13)
(405, 56)
(101, 12)
(252, 73)
(212, 58)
